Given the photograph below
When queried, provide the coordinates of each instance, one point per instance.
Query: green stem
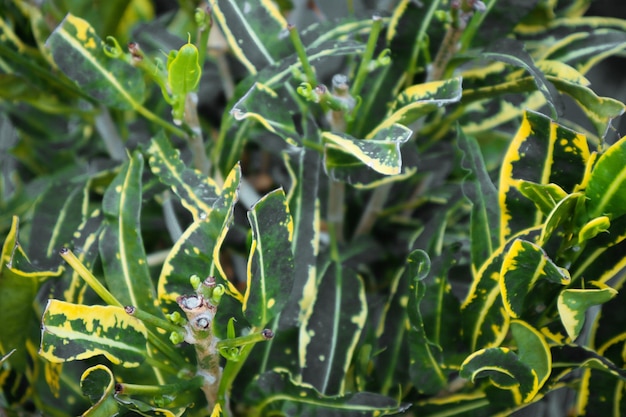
(159, 121)
(301, 52)
(245, 340)
(373, 209)
(89, 278)
(110, 136)
(336, 197)
(361, 74)
(154, 320)
(154, 390)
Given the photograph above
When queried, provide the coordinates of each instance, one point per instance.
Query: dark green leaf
(523, 265)
(198, 193)
(329, 336)
(79, 53)
(270, 263)
(98, 384)
(75, 332)
(479, 189)
(277, 392)
(121, 244)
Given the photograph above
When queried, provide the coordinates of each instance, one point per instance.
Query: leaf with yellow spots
(197, 192)
(121, 245)
(542, 152)
(75, 332)
(364, 162)
(270, 263)
(197, 251)
(419, 100)
(605, 190)
(78, 52)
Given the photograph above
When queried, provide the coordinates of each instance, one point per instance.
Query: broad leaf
(79, 53)
(573, 304)
(533, 350)
(504, 369)
(545, 196)
(277, 392)
(542, 152)
(75, 332)
(19, 284)
(255, 31)
(98, 384)
(270, 263)
(523, 265)
(419, 100)
(606, 184)
(121, 245)
(361, 162)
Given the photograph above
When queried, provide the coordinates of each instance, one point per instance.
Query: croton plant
(310, 208)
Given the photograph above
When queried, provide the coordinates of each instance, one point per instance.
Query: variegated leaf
(270, 263)
(523, 265)
(121, 245)
(197, 192)
(79, 52)
(75, 332)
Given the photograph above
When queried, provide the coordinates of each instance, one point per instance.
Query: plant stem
(153, 390)
(153, 320)
(196, 142)
(361, 74)
(301, 52)
(374, 206)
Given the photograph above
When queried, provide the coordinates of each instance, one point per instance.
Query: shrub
(380, 213)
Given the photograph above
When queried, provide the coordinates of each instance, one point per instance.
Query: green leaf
(75, 332)
(479, 189)
(542, 152)
(600, 110)
(485, 320)
(523, 265)
(79, 53)
(573, 304)
(55, 220)
(198, 193)
(197, 250)
(563, 214)
(419, 100)
(255, 31)
(593, 228)
(19, 284)
(425, 366)
(512, 52)
(121, 245)
(505, 370)
(183, 71)
(98, 384)
(605, 196)
(329, 336)
(545, 196)
(381, 153)
(533, 350)
(277, 393)
(270, 263)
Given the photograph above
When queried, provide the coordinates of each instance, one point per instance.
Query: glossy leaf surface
(74, 332)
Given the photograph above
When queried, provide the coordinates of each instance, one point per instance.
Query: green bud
(176, 338)
(195, 281)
